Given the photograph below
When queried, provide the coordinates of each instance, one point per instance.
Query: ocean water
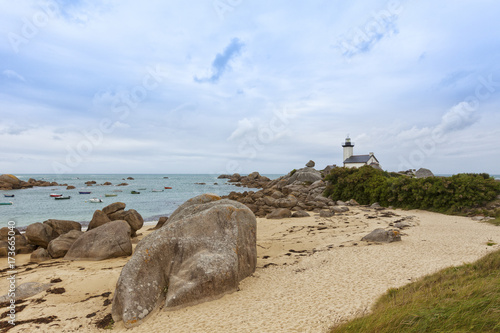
(35, 204)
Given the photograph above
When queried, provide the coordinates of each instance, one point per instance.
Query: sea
(153, 201)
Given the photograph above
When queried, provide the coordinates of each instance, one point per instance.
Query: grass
(456, 299)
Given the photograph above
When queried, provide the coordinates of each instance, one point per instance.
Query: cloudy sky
(223, 86)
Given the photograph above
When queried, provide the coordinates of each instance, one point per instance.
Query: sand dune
(312, 273)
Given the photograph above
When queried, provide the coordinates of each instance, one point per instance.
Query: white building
(356, 161)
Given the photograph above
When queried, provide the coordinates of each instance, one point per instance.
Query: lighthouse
(348, 148)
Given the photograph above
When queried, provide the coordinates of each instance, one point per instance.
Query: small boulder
(99, 218)
(383, 236)
(310, 164)
(279, 213)
(340, 209)
(110, 240)
(161, 221)
(300, 213)
(326, 213)
(40, 255)
(59, 247)
(114, 207)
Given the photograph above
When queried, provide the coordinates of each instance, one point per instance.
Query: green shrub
(453, 194)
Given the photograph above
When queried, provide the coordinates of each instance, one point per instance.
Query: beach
(312, 273)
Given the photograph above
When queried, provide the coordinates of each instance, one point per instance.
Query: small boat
(84, 192)
(168, 188)
(62, 198)
(157, 191)
(110, 195)
(142, 189)
(55, 195)
(95, 200)
(6, 203)
(135, 192)
(8, 195)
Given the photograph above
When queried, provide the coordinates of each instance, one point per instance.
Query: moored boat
(110, 195)
(8, 195)
(95, 200)
(135, 192)
(157, 191)
(168, 188)
(55, 195)
(142, 189)
(6, 203)
(63, 197)
(84, 192)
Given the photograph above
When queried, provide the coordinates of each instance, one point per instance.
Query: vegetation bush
(455, 194)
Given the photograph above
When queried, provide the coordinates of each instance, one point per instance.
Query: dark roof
(358, 159)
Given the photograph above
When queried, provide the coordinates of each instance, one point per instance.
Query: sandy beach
(311, 273)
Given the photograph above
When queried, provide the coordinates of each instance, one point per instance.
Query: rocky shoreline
(291, 195)
(11, 182)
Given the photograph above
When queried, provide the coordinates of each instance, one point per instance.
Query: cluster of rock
(11, 182)
(108, 236)
(291, 195)
(253, 180)
(205, 248)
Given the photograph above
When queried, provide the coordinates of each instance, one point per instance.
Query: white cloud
(13, 75)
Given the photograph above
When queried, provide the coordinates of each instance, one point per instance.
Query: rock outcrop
(202, 252)
(110, 240)
(11, 182)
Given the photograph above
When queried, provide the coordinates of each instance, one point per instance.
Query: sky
(225, 86)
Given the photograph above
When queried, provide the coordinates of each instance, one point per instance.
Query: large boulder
(423, 173)
(8, 182)
(110, 240)
(114, 207)
(383, 236)
(60, 227)
(202, 252)
(39, 234)
(59, 247)
(305, 175)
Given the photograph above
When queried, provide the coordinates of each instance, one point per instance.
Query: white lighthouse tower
(348, 148)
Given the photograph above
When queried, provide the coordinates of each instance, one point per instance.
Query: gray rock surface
(206, 247)
(110, 240)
